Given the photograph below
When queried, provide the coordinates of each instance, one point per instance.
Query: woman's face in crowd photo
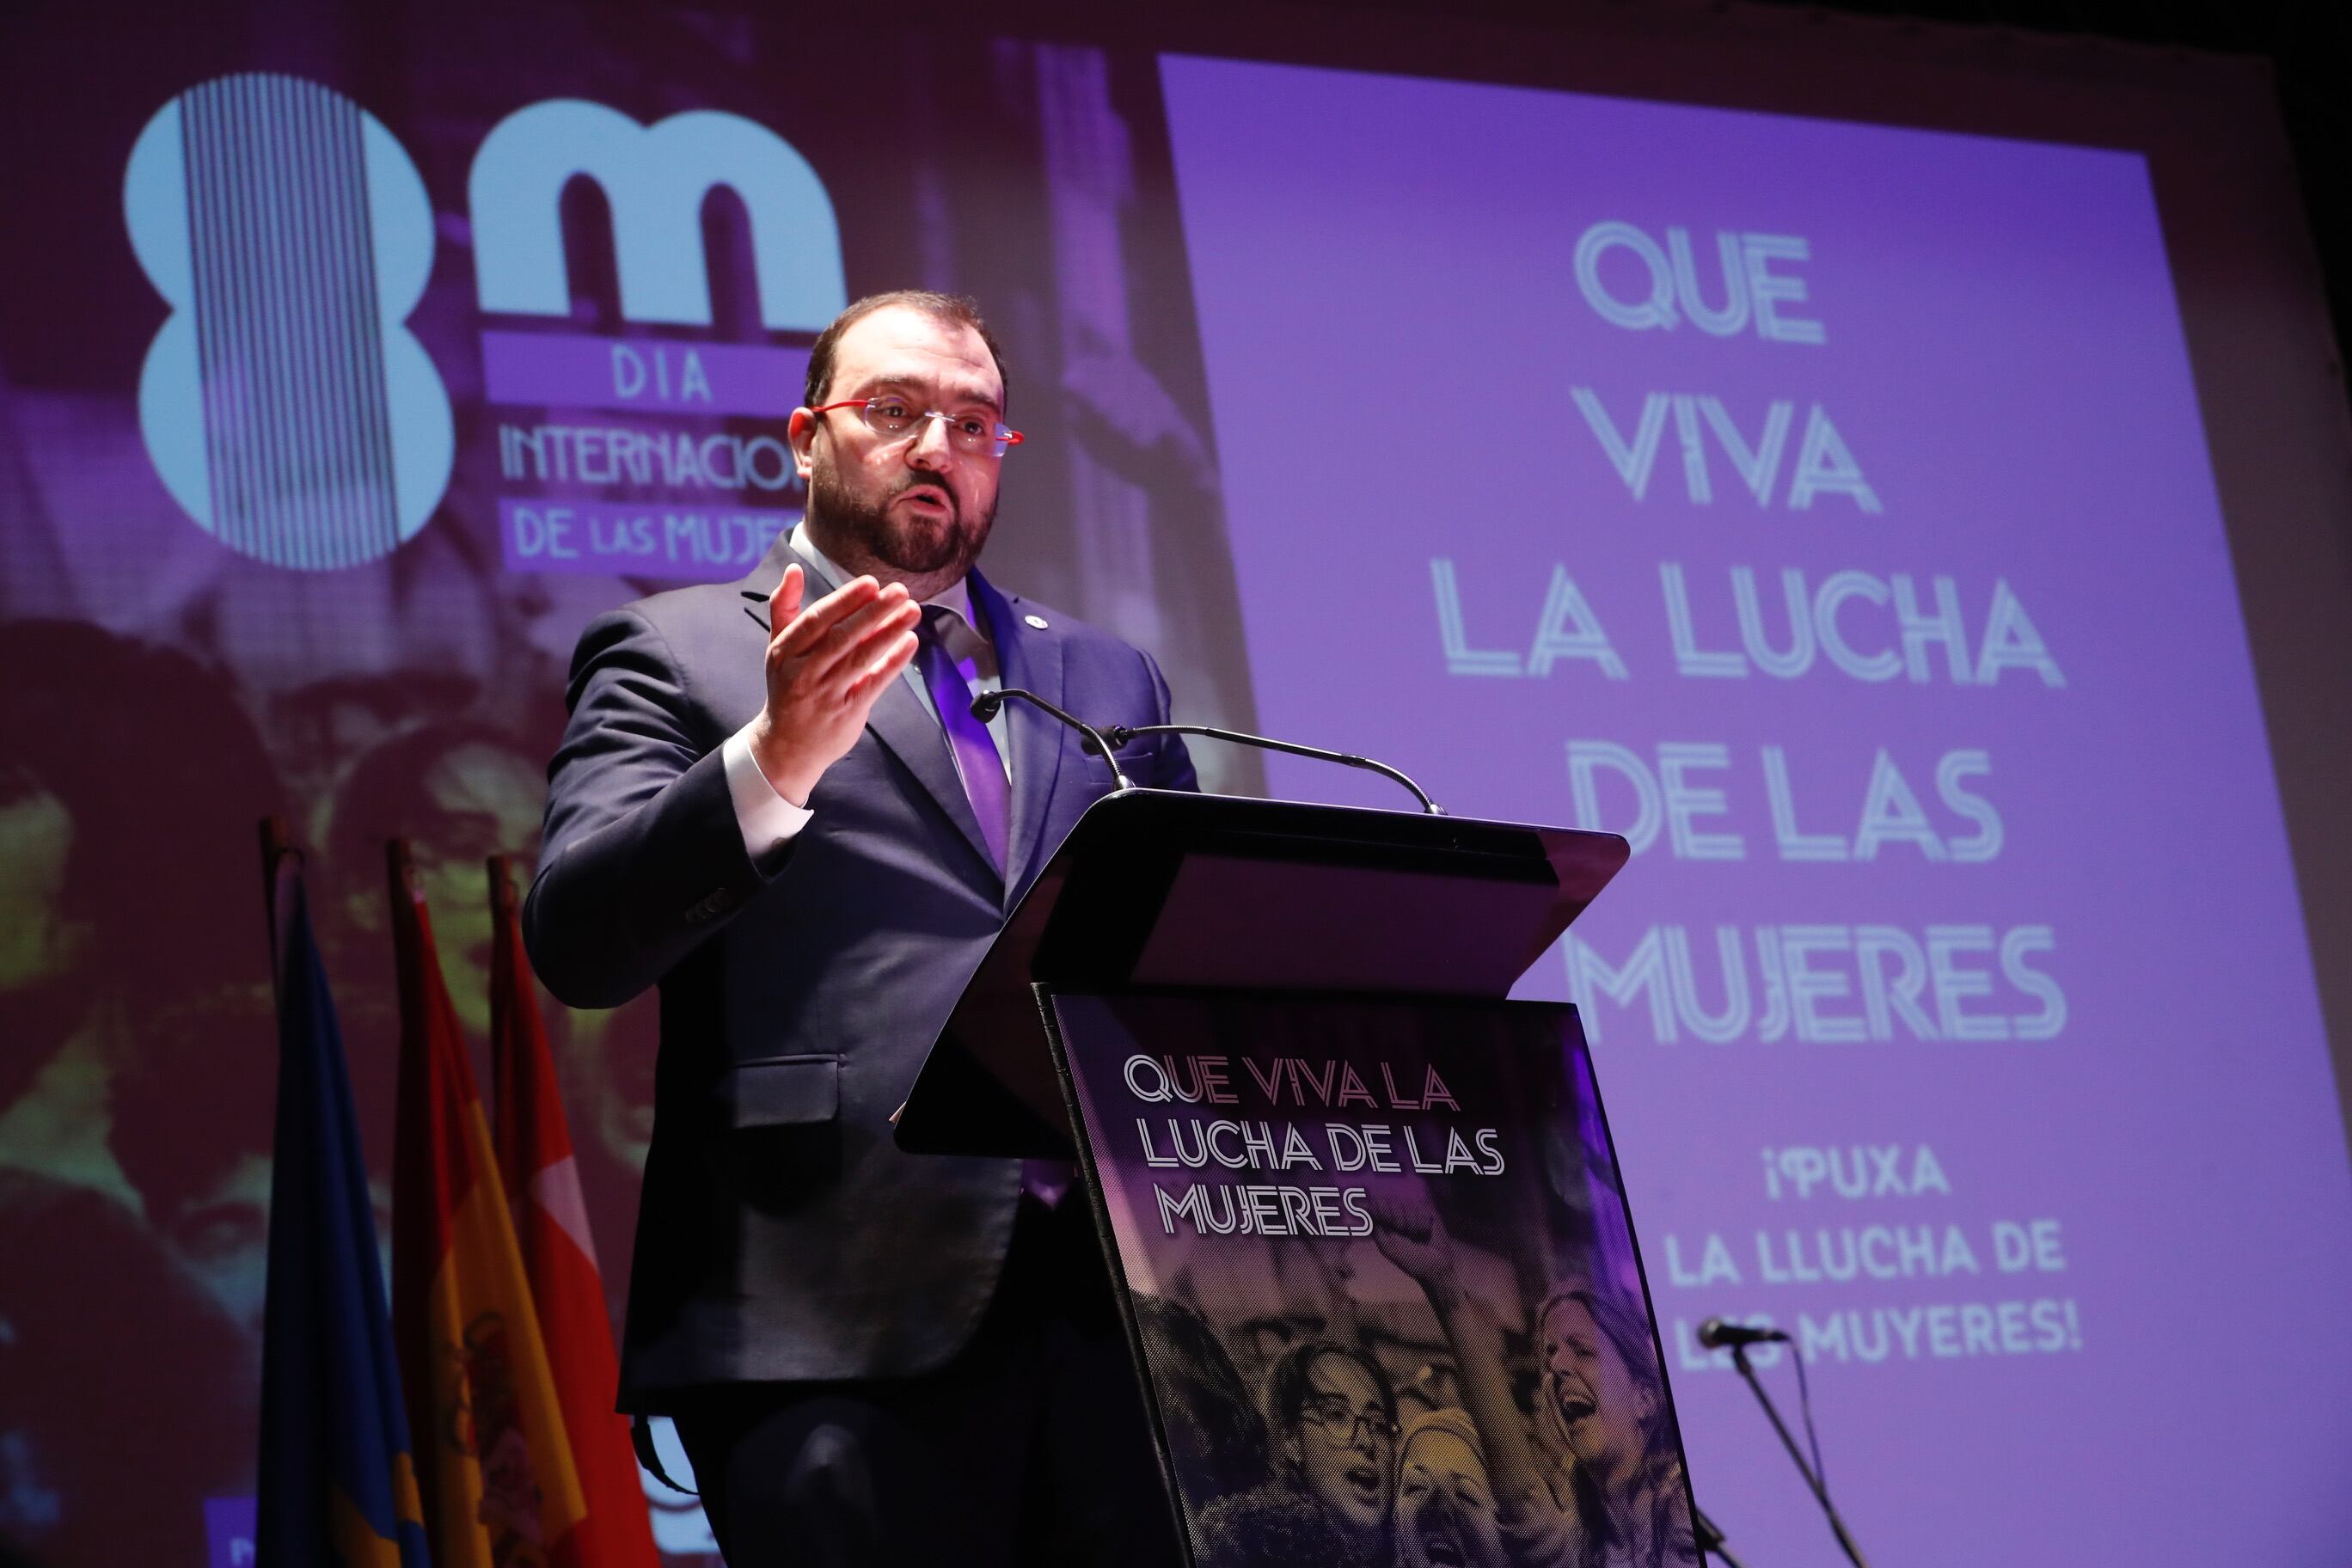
(1601, 1405)
(1444, 1505)
(1346, 1449)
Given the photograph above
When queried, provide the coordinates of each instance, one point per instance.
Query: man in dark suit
(772, 801)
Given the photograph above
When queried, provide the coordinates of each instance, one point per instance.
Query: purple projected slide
(1825, 507)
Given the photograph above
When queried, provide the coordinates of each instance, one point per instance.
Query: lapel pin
(1037, 621)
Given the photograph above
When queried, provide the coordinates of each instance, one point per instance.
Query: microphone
(1715, 1334)
(1123, 734)
(987, 705)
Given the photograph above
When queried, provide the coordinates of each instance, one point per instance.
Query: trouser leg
(1029, 1448)
(1094, 1497)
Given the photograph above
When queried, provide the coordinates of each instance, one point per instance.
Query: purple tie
(976, 756)
(982, 767)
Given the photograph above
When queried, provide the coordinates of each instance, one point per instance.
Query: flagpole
(335, 1479)
(276, 843)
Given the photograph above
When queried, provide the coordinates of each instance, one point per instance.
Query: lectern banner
(1381, 1271)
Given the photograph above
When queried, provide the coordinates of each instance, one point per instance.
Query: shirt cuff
(766, 819)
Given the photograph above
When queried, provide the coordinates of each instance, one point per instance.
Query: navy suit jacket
(782, 1235)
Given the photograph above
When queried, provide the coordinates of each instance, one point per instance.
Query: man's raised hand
(826, 664)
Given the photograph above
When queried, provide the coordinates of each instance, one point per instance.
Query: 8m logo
(286, 408)
(655, 178)
(285, 403)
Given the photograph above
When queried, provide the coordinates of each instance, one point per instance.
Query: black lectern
(1325, 1154)
(1156, 889)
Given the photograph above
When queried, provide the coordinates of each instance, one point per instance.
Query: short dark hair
(1287, 1385)
(951, 307)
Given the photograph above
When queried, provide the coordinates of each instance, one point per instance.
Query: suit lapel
(1029, 658)
(761, 584)
(898, 720)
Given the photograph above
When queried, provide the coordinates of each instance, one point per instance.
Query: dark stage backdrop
(1914, 516)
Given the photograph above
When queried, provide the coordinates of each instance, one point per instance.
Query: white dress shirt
(766, 818)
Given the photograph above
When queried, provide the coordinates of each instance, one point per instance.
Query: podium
(1332, 1166)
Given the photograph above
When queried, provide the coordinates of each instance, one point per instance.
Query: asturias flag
(493, 1463)
(336, 1483)
(543, 1184)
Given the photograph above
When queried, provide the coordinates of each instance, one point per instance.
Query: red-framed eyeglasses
(895, 418)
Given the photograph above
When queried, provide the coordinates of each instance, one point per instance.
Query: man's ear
(802, 432)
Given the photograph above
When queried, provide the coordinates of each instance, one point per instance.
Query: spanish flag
(336, 1483)
(542, 1182)
(493, 1465)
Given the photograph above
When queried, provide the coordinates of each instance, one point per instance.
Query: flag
(542, 1184)
(493, 1466)
(336, 1481)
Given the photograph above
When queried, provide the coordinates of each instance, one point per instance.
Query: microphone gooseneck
(1121, 735)
(986, 706)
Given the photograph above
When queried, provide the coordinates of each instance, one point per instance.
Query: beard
(917, 549)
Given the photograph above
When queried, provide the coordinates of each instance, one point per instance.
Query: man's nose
(929, 447)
